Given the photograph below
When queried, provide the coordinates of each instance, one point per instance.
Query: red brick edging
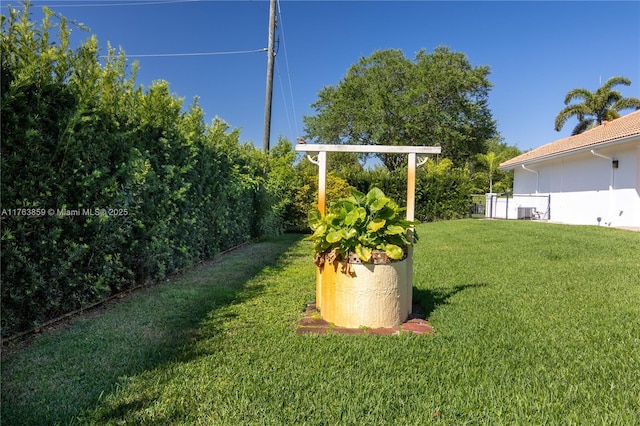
(312, 323)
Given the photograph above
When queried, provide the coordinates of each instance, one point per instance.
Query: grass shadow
(65, 371)
(430, 299)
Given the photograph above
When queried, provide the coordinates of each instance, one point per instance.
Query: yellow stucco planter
(367, 295)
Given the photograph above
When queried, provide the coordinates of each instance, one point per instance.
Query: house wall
(584, 187)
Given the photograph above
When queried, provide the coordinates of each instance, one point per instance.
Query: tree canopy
(595, 107)
(438, 99)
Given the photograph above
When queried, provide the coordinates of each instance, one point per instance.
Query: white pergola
(412, 153)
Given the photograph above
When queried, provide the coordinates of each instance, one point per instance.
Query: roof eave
(568, 152)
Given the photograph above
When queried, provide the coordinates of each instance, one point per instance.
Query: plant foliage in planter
(360, 224)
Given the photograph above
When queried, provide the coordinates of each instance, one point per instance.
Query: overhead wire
(236, 52)
(286, 59)
(284, 97)
(158, 55)
(137, 3)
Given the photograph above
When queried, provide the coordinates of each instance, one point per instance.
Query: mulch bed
(312, 323)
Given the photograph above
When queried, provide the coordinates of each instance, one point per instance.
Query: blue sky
(537, 51)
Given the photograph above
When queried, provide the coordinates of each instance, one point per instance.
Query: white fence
(518, 206)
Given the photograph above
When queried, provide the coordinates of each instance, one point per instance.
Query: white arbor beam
(374, 149)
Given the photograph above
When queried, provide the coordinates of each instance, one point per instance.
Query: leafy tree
(500, 147)
(282, 184)
(343, 163)
(595, 107)
(387, 99)
(491, 161)
(484, 170)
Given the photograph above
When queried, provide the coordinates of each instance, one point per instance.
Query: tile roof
(619, 128)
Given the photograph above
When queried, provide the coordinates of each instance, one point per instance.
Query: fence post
(549, 207)
(506, 211)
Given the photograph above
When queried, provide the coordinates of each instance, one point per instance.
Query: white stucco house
(589, 179)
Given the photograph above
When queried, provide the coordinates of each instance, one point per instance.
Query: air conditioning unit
(526, 212)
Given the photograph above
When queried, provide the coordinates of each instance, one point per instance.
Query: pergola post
(322, 182)
(411, 207)
(321, 162)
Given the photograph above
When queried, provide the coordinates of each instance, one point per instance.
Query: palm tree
(491, 161)
(595, 107)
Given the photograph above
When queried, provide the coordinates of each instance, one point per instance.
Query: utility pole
(270, 62)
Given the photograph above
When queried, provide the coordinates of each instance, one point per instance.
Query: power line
(169, 55)
(284, 98)
(286, 58)
(144, 3)
(158, 55)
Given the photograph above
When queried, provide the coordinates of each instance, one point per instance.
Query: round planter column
(318, 288)
(370, 295)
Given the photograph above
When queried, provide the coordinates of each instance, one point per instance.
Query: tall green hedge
(442, 190)
(104, 184)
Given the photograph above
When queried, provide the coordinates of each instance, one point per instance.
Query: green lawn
(535, 324)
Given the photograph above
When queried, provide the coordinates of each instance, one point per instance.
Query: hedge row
(104, 184)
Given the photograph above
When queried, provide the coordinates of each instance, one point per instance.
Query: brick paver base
(313, 323)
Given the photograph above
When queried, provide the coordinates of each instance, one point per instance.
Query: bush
(78, 138)
(442, 191)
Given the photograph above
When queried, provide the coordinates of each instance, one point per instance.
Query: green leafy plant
(360, 224)
(79, 136)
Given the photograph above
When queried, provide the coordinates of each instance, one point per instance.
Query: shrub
(79, 138)
(360, 224)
